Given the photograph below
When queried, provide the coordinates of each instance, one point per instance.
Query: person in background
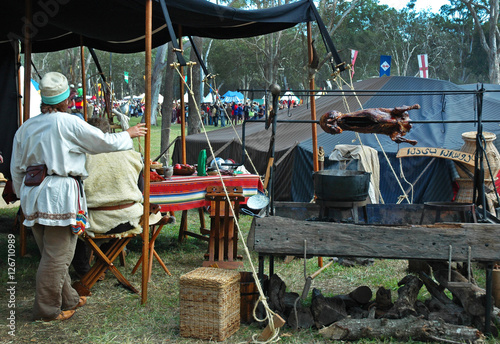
(53, 146)
(72, 109)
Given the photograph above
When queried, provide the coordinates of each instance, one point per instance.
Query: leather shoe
(64, 315)
(81, 302)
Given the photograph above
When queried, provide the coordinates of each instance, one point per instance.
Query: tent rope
(217, 95)
(402, 174)
(262, 298)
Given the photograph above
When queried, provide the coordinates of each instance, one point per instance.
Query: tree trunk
(166, 109)
(401, 329)
(194, 122)
(156, 81)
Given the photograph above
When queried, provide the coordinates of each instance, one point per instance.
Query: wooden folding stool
(155, 230)
(103, 262)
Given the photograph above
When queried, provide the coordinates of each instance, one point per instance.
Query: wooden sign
(459, 156)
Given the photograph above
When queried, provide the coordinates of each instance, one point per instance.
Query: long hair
(61, 107)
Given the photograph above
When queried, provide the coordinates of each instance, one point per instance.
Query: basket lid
(210, 277)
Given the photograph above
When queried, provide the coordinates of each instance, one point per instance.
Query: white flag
(423, 66)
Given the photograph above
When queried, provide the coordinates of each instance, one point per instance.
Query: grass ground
(114, 315)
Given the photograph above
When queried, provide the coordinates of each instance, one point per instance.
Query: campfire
(364, 313)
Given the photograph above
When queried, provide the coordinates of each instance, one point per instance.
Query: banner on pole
(385, 65)
(354, 54)
(423, 66)
(125, 76)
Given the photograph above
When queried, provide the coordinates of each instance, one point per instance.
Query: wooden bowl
(186, 171)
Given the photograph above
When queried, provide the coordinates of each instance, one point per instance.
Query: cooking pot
(341, 185)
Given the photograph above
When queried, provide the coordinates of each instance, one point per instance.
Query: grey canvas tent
(293, 157)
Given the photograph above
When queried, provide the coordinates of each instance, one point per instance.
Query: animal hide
(112, 181)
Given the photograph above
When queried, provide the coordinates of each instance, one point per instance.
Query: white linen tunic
(60, 141)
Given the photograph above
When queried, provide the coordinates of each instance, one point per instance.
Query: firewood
(407, 296)
(326, 311)
(277, 294)
(472, 297)
(382, 304)
(361, 295)
(441, 306)
(401, 329)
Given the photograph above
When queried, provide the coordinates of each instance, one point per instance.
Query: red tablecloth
(188, 192)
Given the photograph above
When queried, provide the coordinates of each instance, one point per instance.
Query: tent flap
(100, 24)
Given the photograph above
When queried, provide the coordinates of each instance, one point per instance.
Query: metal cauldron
(341, 185)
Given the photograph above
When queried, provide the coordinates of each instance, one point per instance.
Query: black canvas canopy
(118, 25)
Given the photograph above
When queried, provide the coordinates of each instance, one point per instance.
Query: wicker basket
(209, 303)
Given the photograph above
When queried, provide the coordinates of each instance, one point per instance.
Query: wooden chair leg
(155, 231)
(104, 261)
(183, 226)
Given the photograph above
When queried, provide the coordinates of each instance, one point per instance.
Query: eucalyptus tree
(485, 14)
(193, 120)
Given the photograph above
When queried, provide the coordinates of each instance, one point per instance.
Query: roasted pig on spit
(392, 122)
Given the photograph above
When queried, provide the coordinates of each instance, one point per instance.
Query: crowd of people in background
(217, 114)
(222, 114)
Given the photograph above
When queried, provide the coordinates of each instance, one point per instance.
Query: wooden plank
(463, 157)
(282, 236)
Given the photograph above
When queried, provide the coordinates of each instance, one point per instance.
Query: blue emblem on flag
(385, 65)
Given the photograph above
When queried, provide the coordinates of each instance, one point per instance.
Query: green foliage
(449, 38)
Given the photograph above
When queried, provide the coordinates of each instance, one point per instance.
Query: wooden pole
(313, 101)
(147, 153)
(27, 62)
(84, 83)
(313, 111)
(19, 90)
(183, 107)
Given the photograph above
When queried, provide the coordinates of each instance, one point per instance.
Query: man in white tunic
(59, 141)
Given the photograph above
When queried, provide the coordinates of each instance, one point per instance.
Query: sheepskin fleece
(112, 181)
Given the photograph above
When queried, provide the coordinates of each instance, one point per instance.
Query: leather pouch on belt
(35, 175)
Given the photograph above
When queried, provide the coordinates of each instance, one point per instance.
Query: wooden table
(188, 192)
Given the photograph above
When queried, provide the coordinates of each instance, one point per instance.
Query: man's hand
(137, 130)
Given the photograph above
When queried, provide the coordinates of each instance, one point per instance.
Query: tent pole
(84, 84)
(27, 62)
(312, 100)
(313, 111)
(183, 112)
(19, 91)
(147, 153)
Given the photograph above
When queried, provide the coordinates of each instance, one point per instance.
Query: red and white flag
(354, 54)
(423, 66)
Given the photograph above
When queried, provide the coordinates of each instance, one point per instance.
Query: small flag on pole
(385, 65)
(354, 54)
(125, 76)
(423, 66)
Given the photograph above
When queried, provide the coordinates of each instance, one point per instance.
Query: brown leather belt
(114, 207)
